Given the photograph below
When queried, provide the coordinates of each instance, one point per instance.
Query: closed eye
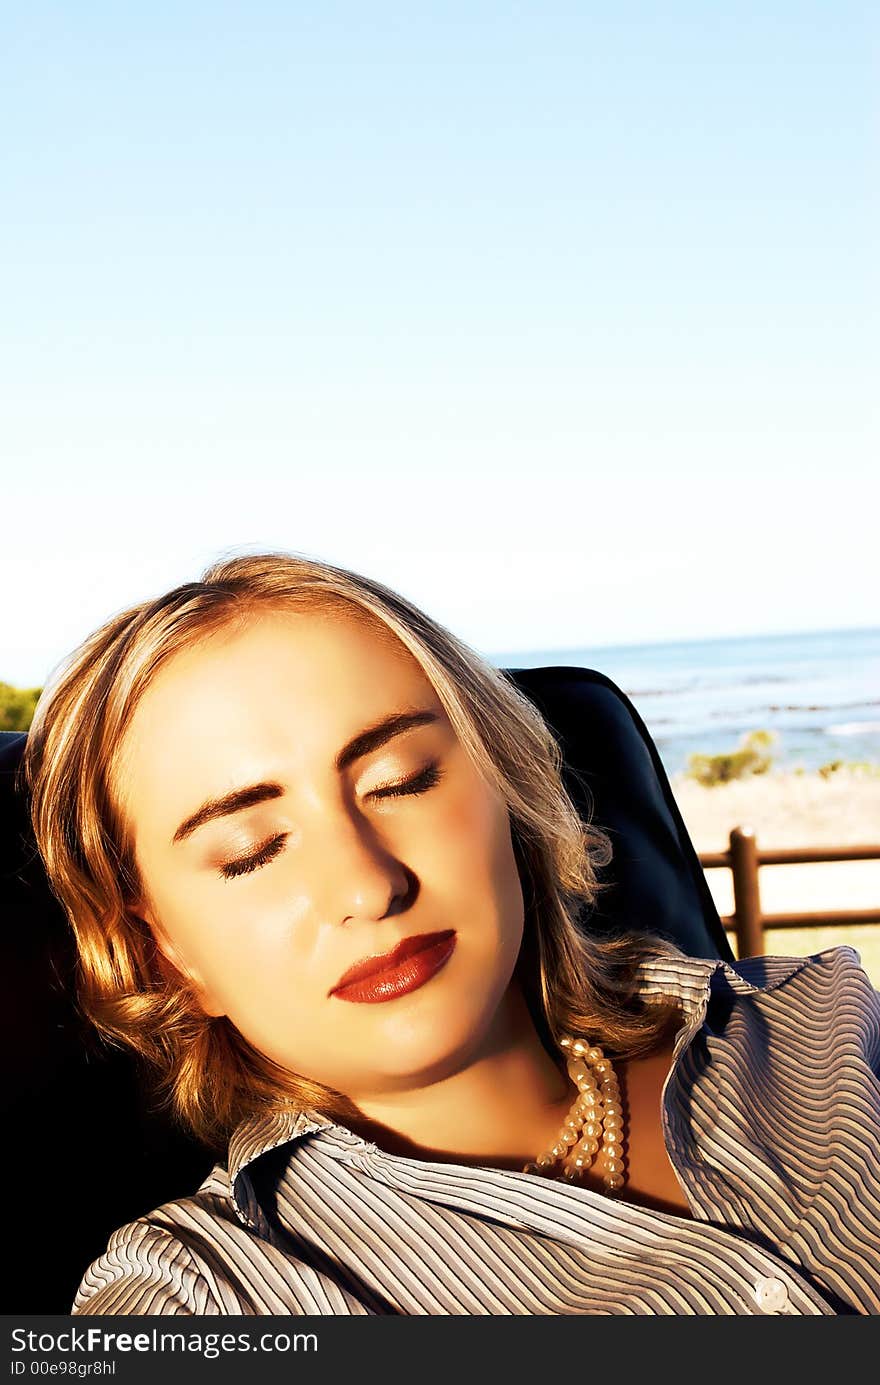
(245, 864)
(418, 783)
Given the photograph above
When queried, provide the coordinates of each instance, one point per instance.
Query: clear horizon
(708, 639)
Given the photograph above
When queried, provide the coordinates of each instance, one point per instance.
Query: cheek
(474, 830)
(242, 949)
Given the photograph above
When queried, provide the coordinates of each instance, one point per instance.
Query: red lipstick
(406, 967)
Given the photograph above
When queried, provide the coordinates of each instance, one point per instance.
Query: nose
(362, 880)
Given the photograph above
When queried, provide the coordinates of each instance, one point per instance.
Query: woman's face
(267, 899)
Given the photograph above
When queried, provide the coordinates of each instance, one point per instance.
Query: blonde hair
(204, 1070)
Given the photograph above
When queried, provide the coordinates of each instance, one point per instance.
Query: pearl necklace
(596, 1116)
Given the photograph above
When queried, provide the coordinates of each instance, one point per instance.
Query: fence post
(746, 893)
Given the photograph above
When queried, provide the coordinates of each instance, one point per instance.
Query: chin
(418, 1049)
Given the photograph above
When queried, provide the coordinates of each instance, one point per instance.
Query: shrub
(861, 767)
(751, 757)
(17, 707)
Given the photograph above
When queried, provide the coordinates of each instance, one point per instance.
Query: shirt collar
(691, 980)
(267, 1130)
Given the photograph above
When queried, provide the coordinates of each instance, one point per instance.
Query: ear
(173, 966)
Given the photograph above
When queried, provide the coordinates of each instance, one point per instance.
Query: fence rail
(744, 859)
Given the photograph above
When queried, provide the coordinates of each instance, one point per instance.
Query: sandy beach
(797, 810)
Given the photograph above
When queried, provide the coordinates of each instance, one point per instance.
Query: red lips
(387, 961)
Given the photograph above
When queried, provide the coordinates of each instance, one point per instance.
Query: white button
(771, 1295)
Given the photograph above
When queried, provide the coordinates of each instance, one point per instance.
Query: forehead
(279, 685)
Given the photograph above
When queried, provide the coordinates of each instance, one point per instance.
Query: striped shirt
(771, 1117)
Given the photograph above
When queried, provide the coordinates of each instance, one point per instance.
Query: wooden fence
(748, 920)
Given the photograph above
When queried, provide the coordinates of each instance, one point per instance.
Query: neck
(499, 1110)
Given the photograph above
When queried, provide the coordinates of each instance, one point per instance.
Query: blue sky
(560, 318)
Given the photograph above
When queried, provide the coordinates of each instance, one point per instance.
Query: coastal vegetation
(17, 707)
(849, 766)
(752, 756)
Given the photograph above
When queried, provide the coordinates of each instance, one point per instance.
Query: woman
(323, 875)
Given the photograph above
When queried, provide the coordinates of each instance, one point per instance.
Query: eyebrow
(362, 744)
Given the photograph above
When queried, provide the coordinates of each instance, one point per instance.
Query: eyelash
(426, 779)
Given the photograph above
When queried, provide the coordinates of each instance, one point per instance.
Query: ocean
(818, 692)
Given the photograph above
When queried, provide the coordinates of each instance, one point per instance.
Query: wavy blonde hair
(203, 1069)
